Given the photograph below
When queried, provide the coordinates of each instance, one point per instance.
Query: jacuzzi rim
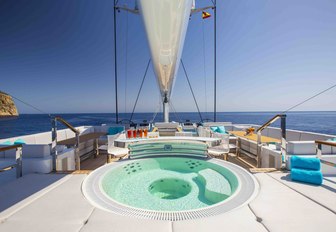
(127, 210)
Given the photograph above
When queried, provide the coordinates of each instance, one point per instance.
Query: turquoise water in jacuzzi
(169, 184)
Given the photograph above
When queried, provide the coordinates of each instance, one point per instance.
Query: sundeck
(168, 176)
(46, 197)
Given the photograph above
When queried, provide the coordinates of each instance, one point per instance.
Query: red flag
(205, 15)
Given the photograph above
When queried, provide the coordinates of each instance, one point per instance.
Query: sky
(59, 56)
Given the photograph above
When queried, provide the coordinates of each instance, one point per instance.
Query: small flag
(205, 15)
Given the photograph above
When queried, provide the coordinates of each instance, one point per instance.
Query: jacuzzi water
(169, 184)
(169, 187)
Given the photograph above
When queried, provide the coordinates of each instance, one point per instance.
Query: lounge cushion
(218, 129)
(6, 143)
(19, 141)
(213, 128)
(115, 130)
(221, 130)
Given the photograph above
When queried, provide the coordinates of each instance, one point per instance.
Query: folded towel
(305, 163)
(307, 176)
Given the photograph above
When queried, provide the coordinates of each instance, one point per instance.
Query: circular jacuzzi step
(170, 188)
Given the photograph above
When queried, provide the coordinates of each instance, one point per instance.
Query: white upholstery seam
(331, 210)
(61, 181)
(258, 219)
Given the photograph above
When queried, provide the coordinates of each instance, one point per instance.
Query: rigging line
(30, 105)
(308, 99)
(143, 79)
(115, 59)
(192, 92)
(158, 109)
(204, 71)
(126, 60)
(176, 114)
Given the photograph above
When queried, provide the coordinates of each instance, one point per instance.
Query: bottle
(145, 133)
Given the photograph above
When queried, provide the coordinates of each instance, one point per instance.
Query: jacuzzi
(170, 188)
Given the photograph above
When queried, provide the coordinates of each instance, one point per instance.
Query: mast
(215, 64)
(165, 110)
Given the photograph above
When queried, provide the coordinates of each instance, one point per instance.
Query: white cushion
(301, 147)
(43, 138)
(117, 151)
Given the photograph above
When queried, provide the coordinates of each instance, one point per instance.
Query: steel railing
(54, 141)
(283, 137)
(319, 151)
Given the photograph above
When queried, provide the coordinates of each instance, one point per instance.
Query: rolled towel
(305, 163)
(307, 176)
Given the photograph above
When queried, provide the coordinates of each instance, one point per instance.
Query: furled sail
(166, 23)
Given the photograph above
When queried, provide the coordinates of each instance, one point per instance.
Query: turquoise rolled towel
(307, 176)
(305, 163)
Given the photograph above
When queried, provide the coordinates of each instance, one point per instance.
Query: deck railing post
(259, 149)
(283, 140)
(54, 143)
(319, 151)
(18, 158)
(77, 158)
(96, 146)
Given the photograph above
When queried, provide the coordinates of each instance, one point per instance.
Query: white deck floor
(55, 202)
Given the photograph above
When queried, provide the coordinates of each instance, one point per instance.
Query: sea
(313, 121)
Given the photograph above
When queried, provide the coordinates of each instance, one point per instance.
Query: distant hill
(7, 106)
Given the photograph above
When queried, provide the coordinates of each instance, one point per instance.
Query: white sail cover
(166, 23)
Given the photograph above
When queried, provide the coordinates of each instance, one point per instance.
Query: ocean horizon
(314, 121)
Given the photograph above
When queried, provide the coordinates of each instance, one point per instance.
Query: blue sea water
(320, 122)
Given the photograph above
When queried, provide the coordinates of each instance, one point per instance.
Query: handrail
(18, 159)
(319, 144)
(10, 147)
(332, 144)
(269, 122)
(283, 137)
(54, 141)
(59, 119)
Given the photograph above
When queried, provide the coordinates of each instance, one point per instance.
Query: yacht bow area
(49, 193)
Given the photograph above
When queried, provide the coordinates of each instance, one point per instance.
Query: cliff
(7, 106)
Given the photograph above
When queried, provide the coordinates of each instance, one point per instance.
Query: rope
(192, 92)
(174, 110)
(126, 60)
(143, 79)
(157, 111)
(204, 70)
(34, 107)
(308, 99)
